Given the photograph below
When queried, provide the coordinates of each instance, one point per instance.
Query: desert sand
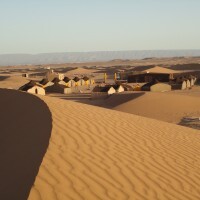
(168, 106)
(12, 82)
(96, 153)
(25, 129)
(80, 71)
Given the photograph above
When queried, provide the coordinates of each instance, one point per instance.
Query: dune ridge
(96, 153)
(25, 129)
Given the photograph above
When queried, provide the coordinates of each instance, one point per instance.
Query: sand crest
(25, 128)
(96, 153)
(79, 71)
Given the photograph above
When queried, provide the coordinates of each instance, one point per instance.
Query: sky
(44, 26)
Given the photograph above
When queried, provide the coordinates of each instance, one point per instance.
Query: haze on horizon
(108, 25)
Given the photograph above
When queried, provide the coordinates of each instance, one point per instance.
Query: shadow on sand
(194, 125)
(2, 78)
(25, 129)
(121, 98)
(108, 102)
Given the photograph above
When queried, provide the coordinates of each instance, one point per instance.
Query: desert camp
(100, 100)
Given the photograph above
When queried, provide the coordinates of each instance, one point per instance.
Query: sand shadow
(108, 102)
(121, 98)
(25, 129)
(2, 78)
(193, 125)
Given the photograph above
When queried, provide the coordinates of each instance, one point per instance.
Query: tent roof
(66, 79)
(76, 79)
(44, 81)
(116, 86)
(57, 85)
(161, 70)
(101, 89)
(56, 80)
(85, 78)
(28, 85)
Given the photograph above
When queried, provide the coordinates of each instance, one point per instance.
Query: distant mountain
(56, 58)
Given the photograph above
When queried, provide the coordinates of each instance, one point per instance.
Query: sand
(12, 82)
(96, 153)
(161, 70)
(170, 106)
(25, 128)
(79, 71)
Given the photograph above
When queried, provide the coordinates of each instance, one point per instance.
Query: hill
(56, 58)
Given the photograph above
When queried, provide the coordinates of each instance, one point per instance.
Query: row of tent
(153, 86)
(67, 86)
(156, 86)
(76, 81)
(64, 86)
(104, 91)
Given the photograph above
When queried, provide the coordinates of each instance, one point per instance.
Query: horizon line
(97, 51)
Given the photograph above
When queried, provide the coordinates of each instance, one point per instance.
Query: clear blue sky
(37, 26)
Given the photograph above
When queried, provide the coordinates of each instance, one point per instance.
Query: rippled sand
(96, 153)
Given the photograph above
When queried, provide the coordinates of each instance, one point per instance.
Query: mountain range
(77, 57)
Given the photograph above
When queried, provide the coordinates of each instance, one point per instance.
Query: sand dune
(79, 71)
(25, 128)
(96, 153)
(13, 82)
(169, 107)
